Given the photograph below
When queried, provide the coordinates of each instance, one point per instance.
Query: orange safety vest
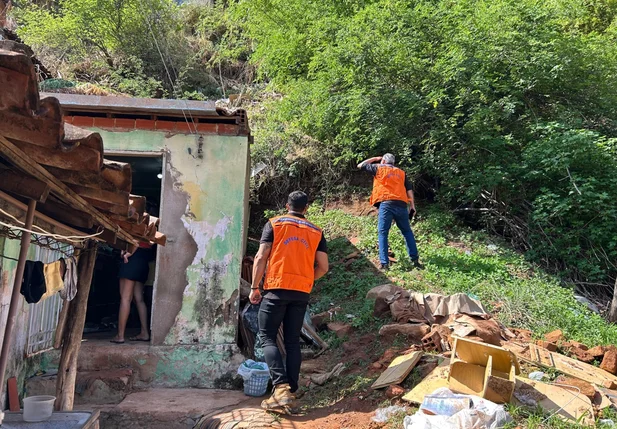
(291, 264)
(389, 184)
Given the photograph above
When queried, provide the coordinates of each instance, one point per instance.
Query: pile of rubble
(469, 364)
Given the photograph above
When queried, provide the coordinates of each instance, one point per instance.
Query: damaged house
(191, 162)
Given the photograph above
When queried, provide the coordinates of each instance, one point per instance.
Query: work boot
(417, 264)
(281, 398)
(384, 267)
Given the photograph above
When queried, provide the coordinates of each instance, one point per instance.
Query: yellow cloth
(53, 279)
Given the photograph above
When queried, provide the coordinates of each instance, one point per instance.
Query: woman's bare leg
(126, 295)
(142, 309)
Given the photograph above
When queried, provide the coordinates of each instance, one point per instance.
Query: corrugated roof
(70, 154)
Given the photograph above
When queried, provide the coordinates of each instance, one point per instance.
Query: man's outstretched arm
(369, 161)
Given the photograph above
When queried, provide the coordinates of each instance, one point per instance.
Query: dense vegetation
(504, 110)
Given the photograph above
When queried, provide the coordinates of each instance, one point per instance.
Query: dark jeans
(389, 210)
(290, 313)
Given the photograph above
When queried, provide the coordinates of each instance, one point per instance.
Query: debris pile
(469, 364)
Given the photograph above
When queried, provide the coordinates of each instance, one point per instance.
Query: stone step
(168, 408)
(91, 387)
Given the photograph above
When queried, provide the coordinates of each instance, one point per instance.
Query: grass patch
(457, 259)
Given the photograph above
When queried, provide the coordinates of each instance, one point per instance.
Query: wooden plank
(59, 335)
(398, 370)
(160, 238)
(16, 156)
(65, 214)
(38, 130)
(79, 159)
(118, 173)
(436, 379)
(67, 369)
(477, 353)
(84, 178)
(13, 394)
(23, 185)
(113, 197)
(570, 366)
(569, 405)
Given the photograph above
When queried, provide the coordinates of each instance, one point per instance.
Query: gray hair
(388, 159)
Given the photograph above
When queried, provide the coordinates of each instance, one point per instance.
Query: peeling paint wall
(204, 215)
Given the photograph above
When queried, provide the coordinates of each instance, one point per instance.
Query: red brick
(165, 125)
(548, 346)
(581, 355)
(554, 337)
(125, 124)
(82, 121)
(576, 344)
(228, 130)
(206, 128)
(145, 124)
(597, 351)
(609, 363)
(341, 329)
(185, 127)
(104, 122)
(394, 391)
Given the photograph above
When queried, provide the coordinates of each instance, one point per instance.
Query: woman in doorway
(133, 274)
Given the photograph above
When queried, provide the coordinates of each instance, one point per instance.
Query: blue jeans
(389, 210)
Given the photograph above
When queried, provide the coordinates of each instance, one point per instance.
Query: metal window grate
(43, 318)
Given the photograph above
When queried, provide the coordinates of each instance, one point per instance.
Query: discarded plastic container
(38, 408)
(256, 376)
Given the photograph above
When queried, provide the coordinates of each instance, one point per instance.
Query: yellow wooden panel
(477, 353)
(436, 379)
(398, 370)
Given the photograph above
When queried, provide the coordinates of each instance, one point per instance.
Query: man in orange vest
(295, 254)
(393, 196)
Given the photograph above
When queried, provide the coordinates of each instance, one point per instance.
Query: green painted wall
(211, 172)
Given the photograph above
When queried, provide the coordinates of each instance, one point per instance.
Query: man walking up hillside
(295, 252)
(393, 196)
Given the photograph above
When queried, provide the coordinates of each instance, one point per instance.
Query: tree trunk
(612, 315)
(76, 318)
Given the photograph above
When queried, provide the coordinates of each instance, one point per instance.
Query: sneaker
(417, 264)
(384, 267)
(282, 397)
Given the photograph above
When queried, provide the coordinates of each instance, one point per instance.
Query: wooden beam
(114, 197)
(23, 185)
(66, 214)
(76, 318)
(160, 239)
(118, 173)
(40, 131)
(82, 178)
(18, 209)
(15, 155)
(79, 159)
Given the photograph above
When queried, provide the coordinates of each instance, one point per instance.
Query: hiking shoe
(281, 397)
(384, 267)
(417, 264)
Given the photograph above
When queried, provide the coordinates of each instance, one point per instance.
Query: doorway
(104, 299)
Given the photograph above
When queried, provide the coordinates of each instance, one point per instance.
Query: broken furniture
(483, 370)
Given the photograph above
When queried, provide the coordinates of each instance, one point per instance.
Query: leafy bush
(507, 108)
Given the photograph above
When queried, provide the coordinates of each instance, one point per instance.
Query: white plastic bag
(483, 414)
(383, 414)
(249, 367)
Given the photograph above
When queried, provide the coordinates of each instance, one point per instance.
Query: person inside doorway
(133, 274)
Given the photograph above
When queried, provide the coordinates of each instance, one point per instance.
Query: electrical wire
(171, 81)
(44, 233)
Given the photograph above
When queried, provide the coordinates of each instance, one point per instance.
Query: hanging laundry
(33, 284)
(53, 278)
(70, 279)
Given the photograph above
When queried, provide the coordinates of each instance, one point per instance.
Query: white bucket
(38, 408)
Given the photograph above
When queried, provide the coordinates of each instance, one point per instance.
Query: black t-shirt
(267, 236)
(372, 168)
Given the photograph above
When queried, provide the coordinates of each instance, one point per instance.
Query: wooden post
(76, 318)
(612, 314)
(5, 6)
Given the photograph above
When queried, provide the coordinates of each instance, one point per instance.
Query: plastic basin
(38, 408)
